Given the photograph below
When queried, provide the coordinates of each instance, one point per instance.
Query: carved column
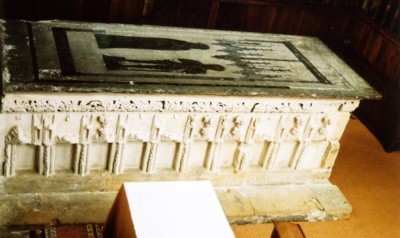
(82, 163)
(303, 143)
(213, 157)
(118, 146)
(47, 150)
(150, 155)
(8, 165)
(182, 157)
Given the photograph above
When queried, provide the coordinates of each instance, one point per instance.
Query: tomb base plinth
(241, 205)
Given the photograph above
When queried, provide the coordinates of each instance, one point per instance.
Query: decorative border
(176, 106)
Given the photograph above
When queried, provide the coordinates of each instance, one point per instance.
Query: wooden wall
(379, 47)
(323, 18)
(129, 11)
(310, 17)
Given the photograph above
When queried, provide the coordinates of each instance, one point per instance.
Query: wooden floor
(370, 180)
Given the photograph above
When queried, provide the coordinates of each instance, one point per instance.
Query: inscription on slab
(144, 59)
(91, 53)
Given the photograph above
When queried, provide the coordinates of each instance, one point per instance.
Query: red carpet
(70, 231)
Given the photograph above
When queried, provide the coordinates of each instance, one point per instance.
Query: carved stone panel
(83, 143)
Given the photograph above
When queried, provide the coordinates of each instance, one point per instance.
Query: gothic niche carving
(15, 136)
(214, 129)
(243, 151)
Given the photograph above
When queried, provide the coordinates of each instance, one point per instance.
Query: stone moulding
(203, 104)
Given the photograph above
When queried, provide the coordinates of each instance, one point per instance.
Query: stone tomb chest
(86, 107)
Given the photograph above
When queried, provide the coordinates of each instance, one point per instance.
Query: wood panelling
(358, 34)
(382, 118)
(388, 62)
(163, 12)
(261, 18)
(17, 9)
(124, 11)
(302, 17)
(193, 13)
(369, 52)
(339, 29)
(324, 22)
(385, 13)
(183, 13)
(379, 48)
(84, 10)
(232, 16)
(318, 19)
(54, 9)
(288, 20)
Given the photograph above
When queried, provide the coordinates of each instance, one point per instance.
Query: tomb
(86, 107)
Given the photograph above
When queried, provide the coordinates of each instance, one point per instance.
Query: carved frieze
(238, 136)
(216, 121)
(174, 105)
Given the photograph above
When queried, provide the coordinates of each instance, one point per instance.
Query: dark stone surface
(55, 56)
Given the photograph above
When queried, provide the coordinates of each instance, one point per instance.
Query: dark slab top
(56, 56)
